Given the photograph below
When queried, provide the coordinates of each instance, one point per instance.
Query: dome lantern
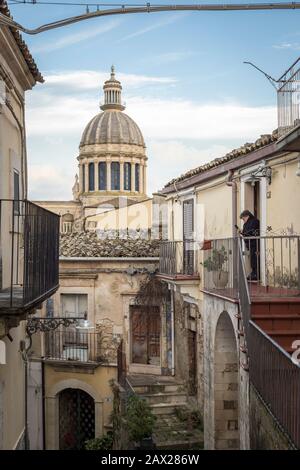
(112, 93)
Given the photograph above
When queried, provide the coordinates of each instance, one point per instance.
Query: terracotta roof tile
(88, 244)
(22, 45)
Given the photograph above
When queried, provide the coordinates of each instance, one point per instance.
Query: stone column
(96, 175)
(108, 175)
(86, 176)
(145, 178)
(121, 174)
(81, 189)
(141, 171)
(132, 175)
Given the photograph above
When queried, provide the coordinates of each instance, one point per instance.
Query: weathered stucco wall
(217, 203)
(283, 197)
(12, 393)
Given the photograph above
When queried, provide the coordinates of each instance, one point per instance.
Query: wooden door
(145, 335)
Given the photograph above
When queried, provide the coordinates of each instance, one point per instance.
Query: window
(67, 223)
(16, 192)
(73, 342)
(91, 177)
(74, 305)
(115, 176)
(102, 176)
(127, 176)
(137, 177)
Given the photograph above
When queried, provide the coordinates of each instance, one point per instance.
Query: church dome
(112, 127)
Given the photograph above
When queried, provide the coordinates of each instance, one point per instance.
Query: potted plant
(140, 422)
(215, 264)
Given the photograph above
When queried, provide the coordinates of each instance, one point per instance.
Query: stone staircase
(280, 319)
(175, 427)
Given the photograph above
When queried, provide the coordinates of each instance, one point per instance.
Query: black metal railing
(74, 345)
(178, 258)
(277, 380)
(271, 265)
(29, 254)
(272, 371)
(220, 266)
(288, 99)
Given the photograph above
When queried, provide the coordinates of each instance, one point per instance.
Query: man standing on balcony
(251, 229)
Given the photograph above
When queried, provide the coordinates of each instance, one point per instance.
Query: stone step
(166, 408)
(285, 338)
(191, 444)
(283, 306)
(277, 322)
(158, 388)
(169, 397)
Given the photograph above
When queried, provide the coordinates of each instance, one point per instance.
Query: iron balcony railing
(73, 345)
(277, 380)
(178, 258)
(271, 264)
(29, 255)
(288, 99)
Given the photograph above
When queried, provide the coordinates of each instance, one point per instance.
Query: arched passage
(76, 418)
(226, 385)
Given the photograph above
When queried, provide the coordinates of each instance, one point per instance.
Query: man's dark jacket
(251, 229)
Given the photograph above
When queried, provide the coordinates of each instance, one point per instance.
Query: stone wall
(265, 432)
(213, 307)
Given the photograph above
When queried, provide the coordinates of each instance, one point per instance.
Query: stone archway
(76, 419)
(226, 390)
(52, 409)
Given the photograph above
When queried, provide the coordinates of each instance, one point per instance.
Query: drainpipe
(233, 185)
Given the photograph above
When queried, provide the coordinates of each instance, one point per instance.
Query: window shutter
(188, 219)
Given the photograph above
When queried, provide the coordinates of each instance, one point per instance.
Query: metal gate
(76, 419)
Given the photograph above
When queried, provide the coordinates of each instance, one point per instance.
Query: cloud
(51, 113)
(159, 24)
(174, 157)
(75, 38)
(295, 46)
(180, 134)
(87, 80)
(48, 181)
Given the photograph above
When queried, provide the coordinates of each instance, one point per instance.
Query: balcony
(288, 98)
(277, 259)
(178, 260)
(29, 257)
(74, 346)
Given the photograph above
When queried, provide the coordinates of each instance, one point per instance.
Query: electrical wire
(5, 20)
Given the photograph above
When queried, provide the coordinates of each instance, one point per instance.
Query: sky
(183, 77)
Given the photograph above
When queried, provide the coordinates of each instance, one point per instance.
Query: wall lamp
(264, 171)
